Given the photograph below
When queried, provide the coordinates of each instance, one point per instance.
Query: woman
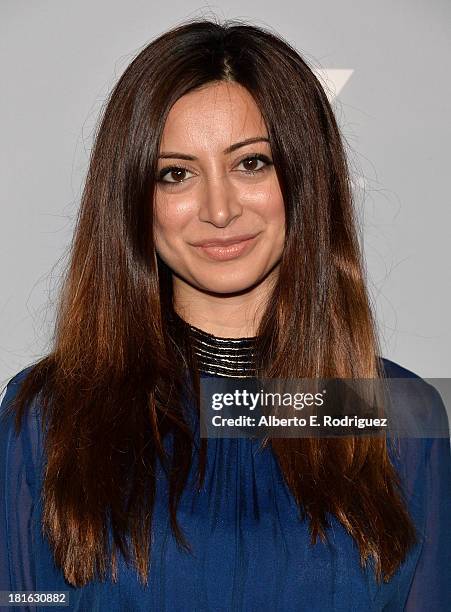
(216, 220)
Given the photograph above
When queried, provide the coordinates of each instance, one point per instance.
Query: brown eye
(255, 163)
(176, 174)
(251, 163)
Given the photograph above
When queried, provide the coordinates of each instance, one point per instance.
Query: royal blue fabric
(250, 550)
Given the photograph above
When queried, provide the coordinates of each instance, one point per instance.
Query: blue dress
(250, 550)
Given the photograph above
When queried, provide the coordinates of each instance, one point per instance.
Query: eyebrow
(230, 149)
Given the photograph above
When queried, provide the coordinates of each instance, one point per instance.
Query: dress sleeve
(18, 470)
(431, 584)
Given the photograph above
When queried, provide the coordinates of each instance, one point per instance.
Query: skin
(216, 196)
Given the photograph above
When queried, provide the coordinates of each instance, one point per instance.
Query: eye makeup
(180, 168)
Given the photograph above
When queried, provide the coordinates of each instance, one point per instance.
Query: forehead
(214, 116)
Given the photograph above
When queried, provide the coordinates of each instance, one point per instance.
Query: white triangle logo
(333, 80)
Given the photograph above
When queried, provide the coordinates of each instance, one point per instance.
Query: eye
(251, 163)
(176, 172)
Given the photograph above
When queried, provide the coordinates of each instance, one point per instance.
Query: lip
(225, 251)
(223, 241)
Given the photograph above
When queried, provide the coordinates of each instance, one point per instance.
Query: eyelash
(259, 156)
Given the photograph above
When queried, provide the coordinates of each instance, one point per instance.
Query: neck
(232, 315)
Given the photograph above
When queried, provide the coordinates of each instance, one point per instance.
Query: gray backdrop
(59, 59)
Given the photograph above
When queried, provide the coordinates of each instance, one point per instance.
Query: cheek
(278, 209)
(275, 219)
(170, 217)
(273, 208)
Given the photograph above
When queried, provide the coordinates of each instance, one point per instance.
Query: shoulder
(421, 452)
(416, 401)
(10, 391)
(20, 446)
(12, 386)
(394, 370)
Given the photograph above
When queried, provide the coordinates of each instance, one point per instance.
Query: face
(218, 209)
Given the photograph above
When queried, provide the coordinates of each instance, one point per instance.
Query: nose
(219, 204)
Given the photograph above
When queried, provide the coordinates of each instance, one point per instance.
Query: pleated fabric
(250, 550)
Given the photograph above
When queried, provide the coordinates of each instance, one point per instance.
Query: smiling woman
(225, 205)
(216, 239)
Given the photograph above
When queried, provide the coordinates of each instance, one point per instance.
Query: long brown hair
(111, 386)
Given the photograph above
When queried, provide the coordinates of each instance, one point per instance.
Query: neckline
(220, 355)
(220, 339)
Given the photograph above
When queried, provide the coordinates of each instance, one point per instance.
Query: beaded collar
(231, 357)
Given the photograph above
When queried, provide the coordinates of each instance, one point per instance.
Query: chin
(228, 283)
